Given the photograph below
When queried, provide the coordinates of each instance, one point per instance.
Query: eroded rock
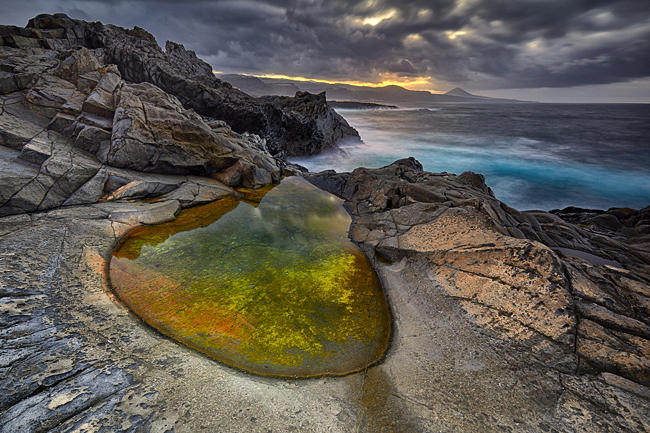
(514, 276)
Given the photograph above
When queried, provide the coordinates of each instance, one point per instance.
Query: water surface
(534, 156)
(270, 283)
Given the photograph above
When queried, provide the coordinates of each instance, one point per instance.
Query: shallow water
(534, 156)
(270, 284)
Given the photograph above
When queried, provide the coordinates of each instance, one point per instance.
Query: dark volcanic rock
(305, 136)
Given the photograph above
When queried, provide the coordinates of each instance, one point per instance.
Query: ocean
(533, 156)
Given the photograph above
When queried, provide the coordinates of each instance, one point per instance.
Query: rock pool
(269, 283)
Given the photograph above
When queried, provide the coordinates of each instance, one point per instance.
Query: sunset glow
(374, 20)
(411, 83)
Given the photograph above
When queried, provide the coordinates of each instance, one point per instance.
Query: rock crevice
(503, 320)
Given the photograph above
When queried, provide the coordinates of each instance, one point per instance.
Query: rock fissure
(488, 319)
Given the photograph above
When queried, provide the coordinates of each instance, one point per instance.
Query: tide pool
(269, 283)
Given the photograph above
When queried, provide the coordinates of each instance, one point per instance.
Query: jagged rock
(51, 95)
(301, 125)
(18, 124)
(61, 123)
(20, 68)
(68, 89)
(485, 323)
(91, 138)
(100, 101)
(91, 191)
(565, 310)
(154, 133)
(79, 63)
(503, 320)
(16, 173)
(62, 171)
(187, 62)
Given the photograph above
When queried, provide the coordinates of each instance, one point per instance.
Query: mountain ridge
(391, 94)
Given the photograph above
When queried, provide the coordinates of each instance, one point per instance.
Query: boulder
(154, 133)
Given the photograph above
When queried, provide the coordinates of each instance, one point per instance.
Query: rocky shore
(502, 320)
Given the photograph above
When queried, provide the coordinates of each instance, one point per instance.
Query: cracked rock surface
(519, 321)
(74, 130)
(491, 331)
(503, 321)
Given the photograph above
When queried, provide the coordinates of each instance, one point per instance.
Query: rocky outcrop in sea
(502, 320)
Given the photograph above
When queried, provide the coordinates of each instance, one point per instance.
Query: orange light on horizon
(416, 83)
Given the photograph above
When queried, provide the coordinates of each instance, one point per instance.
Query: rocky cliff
(502, 320)
(291, 126)
(89, 108)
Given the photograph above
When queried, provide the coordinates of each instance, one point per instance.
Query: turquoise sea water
(534, 156)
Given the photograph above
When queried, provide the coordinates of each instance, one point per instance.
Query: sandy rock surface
(503, 321)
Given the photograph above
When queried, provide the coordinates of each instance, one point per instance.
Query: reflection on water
(270, 284)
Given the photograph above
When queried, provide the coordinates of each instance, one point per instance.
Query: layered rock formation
(296, 126)
(87, 109)
(554, 298)
(502, 320)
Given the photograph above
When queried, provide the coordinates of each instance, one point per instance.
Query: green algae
(269, 283)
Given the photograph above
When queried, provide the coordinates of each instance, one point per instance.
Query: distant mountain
(457, 91)
(394, 95)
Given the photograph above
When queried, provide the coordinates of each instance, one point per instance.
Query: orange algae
(269, 283)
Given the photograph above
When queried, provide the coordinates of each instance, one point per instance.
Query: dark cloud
(403, 68)
(484, 44)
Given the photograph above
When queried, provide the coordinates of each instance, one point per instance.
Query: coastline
(534, 157)
(497, 324)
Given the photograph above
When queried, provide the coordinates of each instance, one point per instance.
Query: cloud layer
(482, 44)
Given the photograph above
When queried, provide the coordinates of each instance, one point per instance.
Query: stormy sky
(548, 50)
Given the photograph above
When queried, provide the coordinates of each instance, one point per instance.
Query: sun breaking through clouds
(374, 20)
(484, 45)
